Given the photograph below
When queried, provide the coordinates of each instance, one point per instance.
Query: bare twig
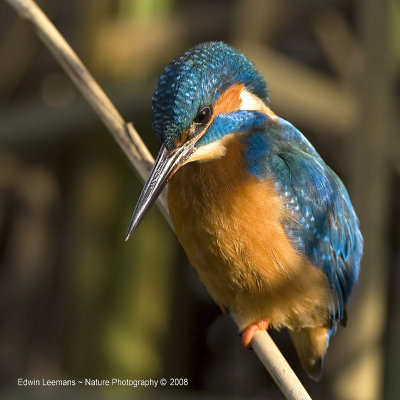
(278, 367)
(141, 159)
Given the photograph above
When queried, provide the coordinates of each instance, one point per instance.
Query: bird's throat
(208, 152)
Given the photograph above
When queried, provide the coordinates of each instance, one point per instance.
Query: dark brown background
(77, 301)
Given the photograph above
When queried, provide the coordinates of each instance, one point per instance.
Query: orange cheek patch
(227, 102)
(230, 100)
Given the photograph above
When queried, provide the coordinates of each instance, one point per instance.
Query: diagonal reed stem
(141, 160)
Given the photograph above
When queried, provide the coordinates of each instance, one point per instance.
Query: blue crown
(196, 78)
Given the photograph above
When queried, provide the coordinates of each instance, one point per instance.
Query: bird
(266, 223)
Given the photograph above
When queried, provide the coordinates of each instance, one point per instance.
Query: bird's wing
(325, 228)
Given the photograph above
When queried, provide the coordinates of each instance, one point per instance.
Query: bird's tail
(311, 345)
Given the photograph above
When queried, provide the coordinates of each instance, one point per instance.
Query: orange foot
(249, 332)
(223, 309)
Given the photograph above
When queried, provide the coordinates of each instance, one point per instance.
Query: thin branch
(141, 159)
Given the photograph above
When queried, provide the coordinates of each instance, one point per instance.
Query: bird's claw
(223, 309)
(250, 331)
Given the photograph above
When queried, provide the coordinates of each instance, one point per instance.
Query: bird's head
(209, 91)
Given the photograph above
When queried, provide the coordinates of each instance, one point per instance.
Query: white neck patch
(209, 151)
(250, 102)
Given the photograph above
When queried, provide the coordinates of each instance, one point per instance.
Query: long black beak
(166, 164)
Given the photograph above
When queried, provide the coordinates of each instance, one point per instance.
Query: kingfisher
(268, 226)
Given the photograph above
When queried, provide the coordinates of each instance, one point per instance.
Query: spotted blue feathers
(324, 227)
(195, 79)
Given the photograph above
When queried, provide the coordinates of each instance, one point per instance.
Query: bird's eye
(203, 115)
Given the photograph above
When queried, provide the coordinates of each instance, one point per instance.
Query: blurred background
(78, 302)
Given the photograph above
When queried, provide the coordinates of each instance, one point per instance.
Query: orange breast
(228, 222)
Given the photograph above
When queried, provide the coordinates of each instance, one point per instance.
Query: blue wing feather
(325, 228)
